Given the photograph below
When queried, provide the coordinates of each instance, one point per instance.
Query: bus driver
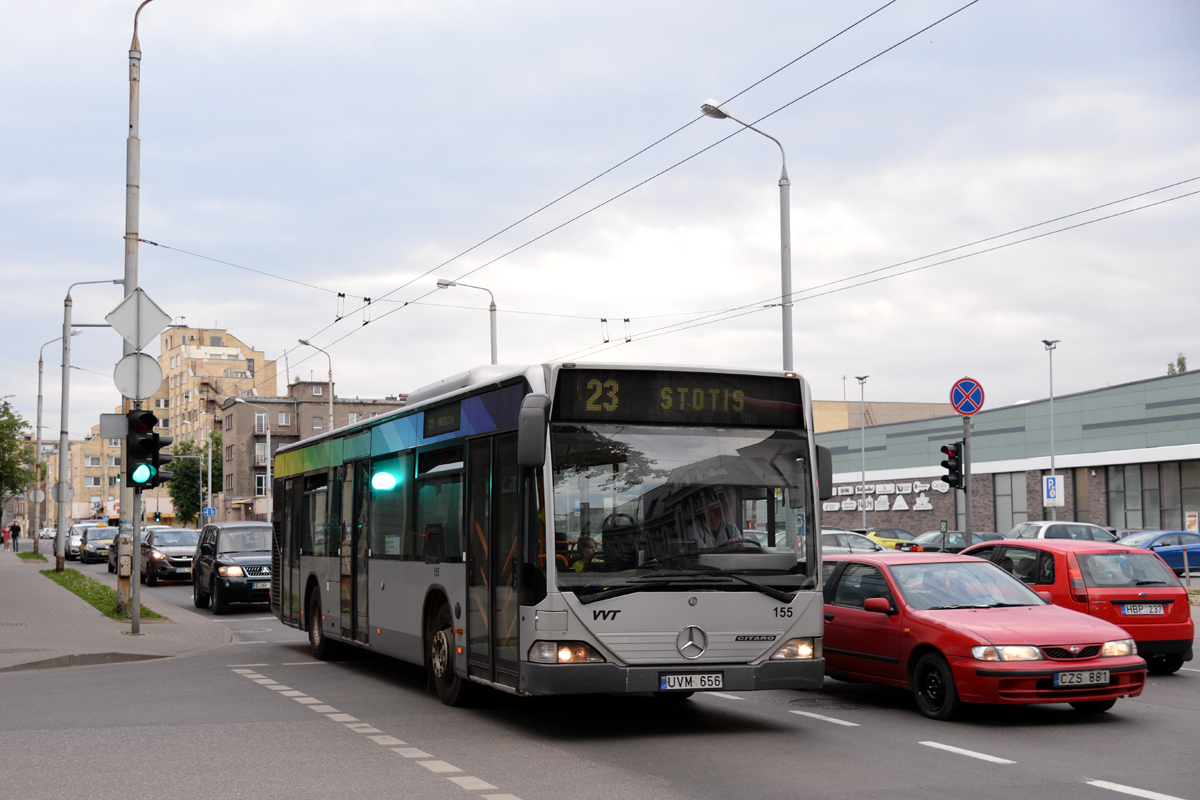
(713, 529)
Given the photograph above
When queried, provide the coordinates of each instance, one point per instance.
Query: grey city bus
(565, 529)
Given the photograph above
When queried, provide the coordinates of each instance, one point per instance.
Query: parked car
(167, 555)
(232, 564)
(888, 537)
(945, 541)
(1049, 529)
(94, 542)
(954, 629)
(1132, 589)
(1170, 546)
(75, 534)
(846, 542)
(47, 533)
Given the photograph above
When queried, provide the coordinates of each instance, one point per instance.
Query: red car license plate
(1088, 677)
(1140, 609)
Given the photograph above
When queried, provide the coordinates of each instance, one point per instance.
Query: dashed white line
(439, 766)
(411, 752)
(471, 783)
(306, 700)
(292, 693)
(385, 740)
(235, 666)
(258, 641)
(970, 753)
(726, 696)
(342, 718)
(303, 664)
(324, 709)
(363, 727)
(1116, 787)
(499, 797)
(824, 718)
(279, 687)
(1189, 669)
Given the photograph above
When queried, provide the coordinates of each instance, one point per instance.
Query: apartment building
(301, 413)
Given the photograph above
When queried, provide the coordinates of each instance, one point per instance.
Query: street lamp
(37, 450)
(445, 284)
(313, 346)
(862, 427)
(1050, 343)
(712, 109)
(265, 410)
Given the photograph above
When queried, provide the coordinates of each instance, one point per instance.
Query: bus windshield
(642, 505)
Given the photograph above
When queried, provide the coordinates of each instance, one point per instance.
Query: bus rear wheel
(322, 648)
(439, 659)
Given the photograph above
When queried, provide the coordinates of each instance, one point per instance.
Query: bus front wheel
(439, 657)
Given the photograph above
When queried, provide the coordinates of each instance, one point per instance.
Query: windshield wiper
(769, 591)
(658, 581)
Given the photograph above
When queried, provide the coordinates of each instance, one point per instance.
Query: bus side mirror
(531, 430)
(824, 472)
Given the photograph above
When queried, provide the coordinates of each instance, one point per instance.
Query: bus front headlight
(564, 653)
(798, 650)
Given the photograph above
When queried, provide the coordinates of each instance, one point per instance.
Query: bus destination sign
(678, 398)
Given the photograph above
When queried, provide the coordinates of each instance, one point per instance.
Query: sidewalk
(44, 625)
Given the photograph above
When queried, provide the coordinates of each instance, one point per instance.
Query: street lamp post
(1050, 344)
(862, 427)
(63, 501)
(712, 109)
(37, 450)
(265, 410)
(313, 346)
(445, 284)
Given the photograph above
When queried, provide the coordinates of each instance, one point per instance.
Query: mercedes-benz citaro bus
(566, 529)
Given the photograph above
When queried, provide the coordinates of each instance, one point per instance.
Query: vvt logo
(606, 614)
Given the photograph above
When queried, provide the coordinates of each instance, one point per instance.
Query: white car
(1050, 529)
(47, 533)
(846, 542)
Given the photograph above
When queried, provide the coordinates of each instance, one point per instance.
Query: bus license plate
(690, 683)
(1089, 677)
(1142, 608)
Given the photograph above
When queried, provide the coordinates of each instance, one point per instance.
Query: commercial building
(1128, 456)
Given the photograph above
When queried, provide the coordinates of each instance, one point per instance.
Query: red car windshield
(961, 584)
(1103, 570)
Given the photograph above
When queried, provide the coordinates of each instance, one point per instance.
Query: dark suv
(232, 564)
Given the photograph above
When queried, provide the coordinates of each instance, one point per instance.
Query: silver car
(846, 542)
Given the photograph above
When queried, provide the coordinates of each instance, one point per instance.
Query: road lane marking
(1116, 787)
(1189, 669)
(248, 671)
(279, 687)
(302, 664)
(342, 718)
(726, 696)
(439, 766)
(259, 641)
(411, 752)
(292, 693)
(246, 665)
(499, 797)
(385, 740)
(824, 718)
(324, 709)
(971, 753)
(363, 727)
(306, 700)
(471, 783)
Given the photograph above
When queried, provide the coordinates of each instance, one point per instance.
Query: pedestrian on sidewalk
(6, 535)
(14, 530)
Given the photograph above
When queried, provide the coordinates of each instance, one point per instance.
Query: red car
(954, 629)
(1126, 586)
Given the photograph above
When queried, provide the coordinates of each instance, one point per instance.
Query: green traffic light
(142, 474)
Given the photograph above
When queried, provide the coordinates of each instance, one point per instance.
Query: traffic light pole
(135, 599)
(966, 473)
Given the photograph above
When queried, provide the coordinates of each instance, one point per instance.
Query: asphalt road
(261, 719)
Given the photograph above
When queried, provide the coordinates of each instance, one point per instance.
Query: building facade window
(114, 480)
(228, 482)
(285, 418)
(260, 484)
(229, 452)
(260, 422)
(316, 425)
(1154, 495)
(260, 453)
(114, 442)
(114, 461)
(91, 480)
(1010, 498)
(91, 461)
(354, 416)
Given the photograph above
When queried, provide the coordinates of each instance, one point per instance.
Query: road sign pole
(966, 475)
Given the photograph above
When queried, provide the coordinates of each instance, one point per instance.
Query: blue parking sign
(1052, 491)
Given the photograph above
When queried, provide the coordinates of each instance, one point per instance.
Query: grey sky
(356, 145)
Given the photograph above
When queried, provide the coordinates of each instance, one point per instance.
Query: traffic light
(157, 516)
(953, 464)
(139, 448)
(143, 456)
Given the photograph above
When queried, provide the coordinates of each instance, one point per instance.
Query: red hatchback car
(1126, 586)
(954, 630)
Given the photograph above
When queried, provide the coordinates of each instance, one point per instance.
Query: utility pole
(127, 586)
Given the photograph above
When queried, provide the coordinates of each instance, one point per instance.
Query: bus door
(493, 509)
(352, 551)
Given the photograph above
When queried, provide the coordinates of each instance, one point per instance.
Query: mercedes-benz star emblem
(691, 642)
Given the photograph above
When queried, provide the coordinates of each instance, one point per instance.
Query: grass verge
(103, 598)
(31, 556)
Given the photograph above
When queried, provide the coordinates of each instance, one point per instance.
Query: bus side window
(439, 504)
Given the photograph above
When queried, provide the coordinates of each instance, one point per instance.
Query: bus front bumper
(544, 679)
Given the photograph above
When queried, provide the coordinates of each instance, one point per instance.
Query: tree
(1178, 366)
(15, 456)
(191, 470)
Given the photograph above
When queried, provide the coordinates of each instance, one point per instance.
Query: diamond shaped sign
(138, 319)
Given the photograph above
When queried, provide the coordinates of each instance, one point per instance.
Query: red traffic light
(142, 421)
